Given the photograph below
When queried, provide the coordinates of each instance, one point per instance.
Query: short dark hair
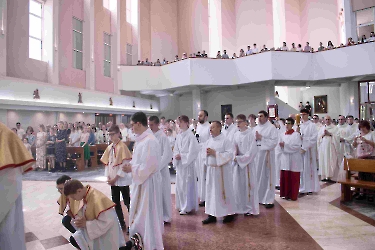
(364, 124)
(62, 179)
(252, 116)
(140, 117)
(308, 102)
(18, 123)
(304, 111)
(230, 114)
(183, 118)
(205, 112)
(264, 113)
(71, 187)
(316, 116)
(154, 118)
(114, 128)
(289, 119)
(282, 119)
(349, 116)
(241, 117)
(163, 117)
(217, 123)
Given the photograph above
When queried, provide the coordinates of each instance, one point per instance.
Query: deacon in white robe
(219, 155)
(203, 134)
(309, 174)
(267, 138)
(145, 201)
(229, 128)
(342, 133)
(166, 158)
(185, 154)
(281, 130)
(14, 161)
(328, 144)
(245, 180)
(352, 131)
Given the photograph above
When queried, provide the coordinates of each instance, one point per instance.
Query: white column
(350, 21)
(279, 27)
(197, 101)
(215, 36)
(88, 43)
(115, 8)
(135, 20)
(3, 38)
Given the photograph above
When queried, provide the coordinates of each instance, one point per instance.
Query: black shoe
(202, 204)
(270, 205)
(228, 218)
(324, 180)
(210, 219)
(277, 187)
(138, 243)
(248, 214)
(309, 193)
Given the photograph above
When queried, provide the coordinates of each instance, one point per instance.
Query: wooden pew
(357, 165)
(80, 162)
(94, 155)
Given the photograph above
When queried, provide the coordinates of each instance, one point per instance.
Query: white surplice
(166, 158)
(203, 130)
(220, 199)
(245, 182)
(309, 174)
(230, 131)
(186, 184)
(328, 151)
(265, 162)
(145, 203)
(278, 152)
(342, 132)
(291, 159)
(351, 131)
(103, 233)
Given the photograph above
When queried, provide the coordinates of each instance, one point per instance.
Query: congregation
(254, 50)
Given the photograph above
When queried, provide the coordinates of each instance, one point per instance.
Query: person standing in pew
(84, 143)
(114, 158)
(364, 145)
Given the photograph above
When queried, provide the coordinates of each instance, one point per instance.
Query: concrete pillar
(88, 42)
(3, 38)
(350, 22)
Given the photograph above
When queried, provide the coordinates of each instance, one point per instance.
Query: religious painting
(227, 108)
(320, 104)
(273, 111)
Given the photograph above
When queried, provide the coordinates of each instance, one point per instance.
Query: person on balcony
(249, 51)
(294, 49)
(307, 47)
(284, 48)
(255, 49)
(225, 55)
(218, 56)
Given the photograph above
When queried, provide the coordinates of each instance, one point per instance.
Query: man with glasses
(229, 127)
(328, 145)
(317, 123)
(309, 174)
(244, 171)
(114, 158)
(145, 213)
(266, 137)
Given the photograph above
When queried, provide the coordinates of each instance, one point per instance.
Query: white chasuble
(328, 151)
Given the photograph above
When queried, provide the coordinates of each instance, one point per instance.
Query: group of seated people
(50, 142)
(255, 50)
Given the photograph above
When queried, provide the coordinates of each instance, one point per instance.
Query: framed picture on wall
(227, 108)
(273, 111)
(320, 104)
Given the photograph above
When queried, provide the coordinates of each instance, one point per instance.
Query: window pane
(107, 53)
(107, 69)
(77, 25)
(77, 41)
(35, 27)
(372, 91)
(365, 16)
(364, 92)
(107, 39)
(35, 49)
(77, 60)
(129, 59)
(35, 8)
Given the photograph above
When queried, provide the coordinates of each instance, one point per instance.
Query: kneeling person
(219, 181)
(291, 162)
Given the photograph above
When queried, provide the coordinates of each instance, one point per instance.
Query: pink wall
(164, 41)
(145, 29)
(228, 20)
(192, 26)
(319, 22)
(18, 62)
(362, 4)
(254, 23)
(102, 24)
(70, 76)
(292, 22)
(124, 28)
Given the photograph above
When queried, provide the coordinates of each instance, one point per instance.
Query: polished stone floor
(313, 222)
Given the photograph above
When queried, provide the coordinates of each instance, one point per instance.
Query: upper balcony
(341, 63)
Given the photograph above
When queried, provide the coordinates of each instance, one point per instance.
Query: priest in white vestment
(352, 131)
(202, 134)
(309, 174)
(220, 201)
(229, 128)
(280, 131)
(328, 145)
(267, 139)
(245, 180)
(145, 212)
(291, 162)
(342, 133)
(166, 158)
(185, 153)
(14, 161)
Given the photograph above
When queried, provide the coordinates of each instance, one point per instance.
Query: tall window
(77, 43)
(129, 54)
(107, 55)
(35, 30)
(365, 22)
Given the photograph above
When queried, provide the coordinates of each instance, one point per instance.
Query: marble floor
(313, 222)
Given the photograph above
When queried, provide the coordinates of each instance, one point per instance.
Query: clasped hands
(80, 222)
(127, 168)
(258, 136)
(211, 152)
